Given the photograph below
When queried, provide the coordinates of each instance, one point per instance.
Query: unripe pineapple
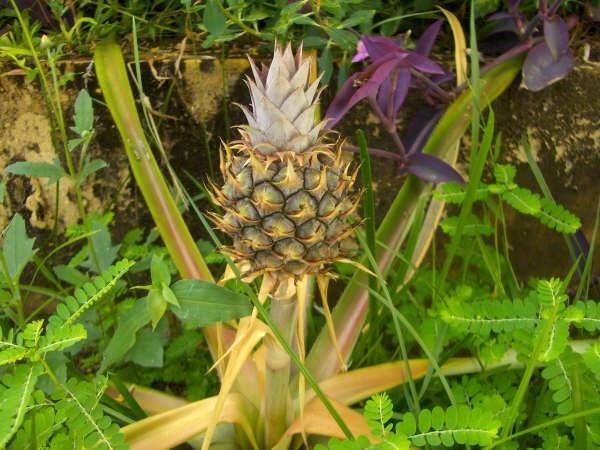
(287, 194)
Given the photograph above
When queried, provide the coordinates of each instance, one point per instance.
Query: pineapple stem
(277, 398)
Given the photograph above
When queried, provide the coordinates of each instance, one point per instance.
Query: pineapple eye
(268, 197)
(268, 260)
(277, 225)
(301, 206)
(327, 206)
(289, 248)
(257, 239)
(311, 231)
(247, 211)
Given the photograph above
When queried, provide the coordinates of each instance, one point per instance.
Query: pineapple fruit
(288, 197)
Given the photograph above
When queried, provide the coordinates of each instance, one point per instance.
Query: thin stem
(448, 96)
(567, 418)
(389, 125)
(511, 416)
(14, 289)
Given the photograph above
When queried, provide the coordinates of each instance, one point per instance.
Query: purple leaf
(513, 4)
(420, 127)
(503, 15)
(379, 46)
(432, 169)
(425, 42)
(400, 82)
(423, 64)
(349, 95)
(581, 249)
(503, 25)
(540, 69)
(556, 35)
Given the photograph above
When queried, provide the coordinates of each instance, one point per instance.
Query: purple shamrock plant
(393, 70)
(545, 39)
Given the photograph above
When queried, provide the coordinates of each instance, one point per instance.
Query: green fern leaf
(504, 173)
(454, 193)
(79, 407)
(461, 425)
(498, 316)
(523, 201)
(558, 375)
(471, 227)
(60, 338)
(378, 412)
(591, 316)
(12, 348)
(88, 294)
(551, 292)
(556, 217)
(591, 359)
(15, 397)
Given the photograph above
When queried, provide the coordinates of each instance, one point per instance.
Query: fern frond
(504, 173)
(558, 375)
(378, 412)
(556, 340)
(591, 316)
(32, 333)
(454, 193)
(551, 292)
(15, 398)
(79, 407)
(523, 201)
(499, 316)
(87, 295)
(556, 217)
(457, 424)
(60, 338)
(591, 359)
(471, 227)
(12, 348)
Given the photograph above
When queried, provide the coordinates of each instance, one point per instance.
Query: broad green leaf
(148, 349)
(90, 167)
(17, 247)
(130, 322)
(168, 295)
(37, 169)
(84, 113)
(70, 275)
(358, 18)
(156, 305)
(105, 251)
(214, 20)
(203, 303)
(159, 271)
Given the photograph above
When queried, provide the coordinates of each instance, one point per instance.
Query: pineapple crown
(282, 118)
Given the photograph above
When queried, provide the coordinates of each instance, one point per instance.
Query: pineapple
(288, 198)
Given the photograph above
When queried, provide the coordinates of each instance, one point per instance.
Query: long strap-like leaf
(350, 311)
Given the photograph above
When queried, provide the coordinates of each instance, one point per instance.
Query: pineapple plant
(288, 196)
(289, 207)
